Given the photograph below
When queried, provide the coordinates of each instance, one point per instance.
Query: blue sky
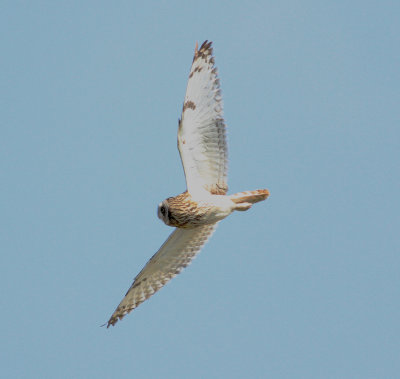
(304, 285)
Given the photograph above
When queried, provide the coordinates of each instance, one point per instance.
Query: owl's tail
(246, 199)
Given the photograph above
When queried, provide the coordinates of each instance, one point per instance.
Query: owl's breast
(184, 212)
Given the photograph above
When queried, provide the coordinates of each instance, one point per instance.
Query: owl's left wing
(175, 254)
(201, 133)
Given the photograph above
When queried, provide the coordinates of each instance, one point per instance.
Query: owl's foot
(243, 207)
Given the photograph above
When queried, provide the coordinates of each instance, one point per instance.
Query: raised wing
(201, 133)
(175, 254)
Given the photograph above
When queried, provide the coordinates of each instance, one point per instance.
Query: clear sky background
(304, 285)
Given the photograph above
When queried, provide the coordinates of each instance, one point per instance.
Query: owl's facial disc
(162, 212)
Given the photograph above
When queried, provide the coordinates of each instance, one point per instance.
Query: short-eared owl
(196, 212)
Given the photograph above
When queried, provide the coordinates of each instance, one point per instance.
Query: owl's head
(163, 212)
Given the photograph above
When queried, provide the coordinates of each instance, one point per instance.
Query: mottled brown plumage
(183, 212)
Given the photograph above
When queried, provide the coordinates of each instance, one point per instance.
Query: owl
(196, 212)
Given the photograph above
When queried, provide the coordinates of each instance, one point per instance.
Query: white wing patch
(201, 133)
(175, 254)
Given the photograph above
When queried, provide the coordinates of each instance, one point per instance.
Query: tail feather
(250, 197)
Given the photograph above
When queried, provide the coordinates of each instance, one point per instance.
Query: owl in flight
(196, 212)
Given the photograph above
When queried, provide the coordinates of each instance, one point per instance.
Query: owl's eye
(162, 209)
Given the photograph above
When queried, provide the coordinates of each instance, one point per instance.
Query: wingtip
(205, 46)
(114, 319)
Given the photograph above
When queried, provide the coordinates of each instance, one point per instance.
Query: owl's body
(183, 211)
(186, 211)
(196, 212)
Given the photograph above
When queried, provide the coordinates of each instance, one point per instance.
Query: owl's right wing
(202, 133)
(175, 254)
